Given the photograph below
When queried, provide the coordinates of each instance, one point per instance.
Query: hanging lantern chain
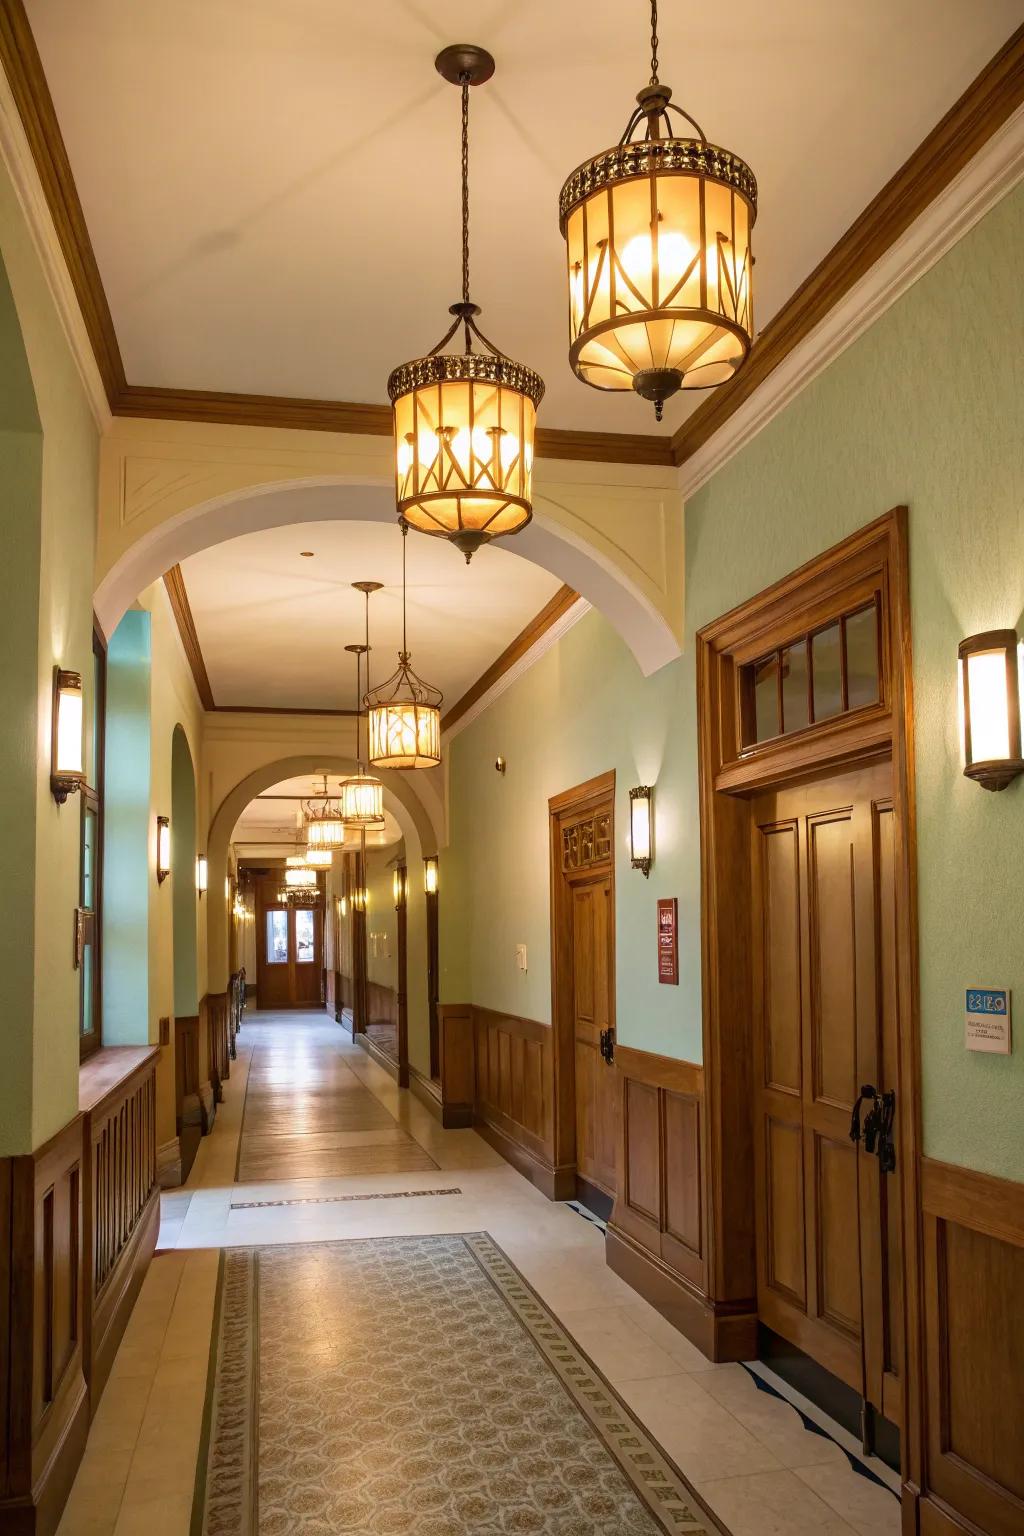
(405, 535)
(464, 79)
(654, 42)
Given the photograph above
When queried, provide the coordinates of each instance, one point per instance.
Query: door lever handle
(607, 1044)
(868, 1095)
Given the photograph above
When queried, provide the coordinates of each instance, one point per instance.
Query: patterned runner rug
(415, 1386)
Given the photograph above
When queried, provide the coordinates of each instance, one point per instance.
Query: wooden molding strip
(980, 1201)
(24, 70)
(175, 585)
(550, 614)
(685, 1077)
(239, 410)
(983, 108)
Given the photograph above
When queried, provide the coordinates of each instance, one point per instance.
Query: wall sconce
(343, 905)
(67, 772)
(398, 886)
(202, 874)
(990, 707)
(641, 829)
(163, 848)
(359, 899)
(430, 875)
(500, 765)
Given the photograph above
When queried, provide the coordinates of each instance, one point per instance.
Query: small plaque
(988, 1020)
(668, 941)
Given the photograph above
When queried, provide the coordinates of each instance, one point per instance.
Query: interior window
(277, 938)
(304, 941)
(818, 675)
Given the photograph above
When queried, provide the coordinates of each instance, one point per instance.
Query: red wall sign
(668, 941)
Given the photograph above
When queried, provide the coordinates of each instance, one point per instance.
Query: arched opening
(549, 541)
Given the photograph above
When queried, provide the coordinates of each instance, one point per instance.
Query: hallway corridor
(377, 1374)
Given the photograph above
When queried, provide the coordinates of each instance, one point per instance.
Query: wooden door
(289, 956)
(823, 951)
(593, 941)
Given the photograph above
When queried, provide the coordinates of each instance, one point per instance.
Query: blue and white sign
(988, 1020)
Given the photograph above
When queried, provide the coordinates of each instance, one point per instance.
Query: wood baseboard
(426, 1090)
(556, 1183)
(169, 1165)
(721, 1333)
(389, 1064)
(207, 1106)
(38, 1513)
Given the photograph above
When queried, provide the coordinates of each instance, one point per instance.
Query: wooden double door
(826, 1025)
(289, 950)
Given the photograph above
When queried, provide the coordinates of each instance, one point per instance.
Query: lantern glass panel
(69, 730)
(990, 706)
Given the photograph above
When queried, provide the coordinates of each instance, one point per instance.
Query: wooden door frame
(874, 557)
(591, 795)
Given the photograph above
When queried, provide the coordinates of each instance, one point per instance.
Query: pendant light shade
(362, 795)
(324, 825)
(319, 858)
(465, 421)
(657, 233)
(404, 714)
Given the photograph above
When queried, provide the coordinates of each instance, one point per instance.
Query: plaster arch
(400, 799)
(616, 539)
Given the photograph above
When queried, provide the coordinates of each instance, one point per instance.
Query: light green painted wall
(21, 464)
(381, 917)
(926, 409)
(55, 555)
(183, 876)
(127, 833)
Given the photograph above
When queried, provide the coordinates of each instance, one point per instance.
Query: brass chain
(654, 42)
(464, 80)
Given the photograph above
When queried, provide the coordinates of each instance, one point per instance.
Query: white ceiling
(273, 625)
(270, 819)
(271, 188)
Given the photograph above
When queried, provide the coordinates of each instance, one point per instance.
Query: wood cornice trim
(174, 582)
(686, 1077)
(239, 410)
(263, 709)
(24, 70)
(983, 108)
(539, 625)
(601, 787)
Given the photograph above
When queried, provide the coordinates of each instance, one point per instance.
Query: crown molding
(939, 160)
(174, 582)
(33, 154)
(989, 176)
(564, 610)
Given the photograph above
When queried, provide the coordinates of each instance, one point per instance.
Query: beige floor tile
(702, 1437)
(777, 1425)
(165, 1515)
(771, 1504)
(858, 1499)
(617, 1346)
(658, 1328)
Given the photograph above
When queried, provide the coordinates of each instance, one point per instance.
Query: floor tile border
(391, 1194)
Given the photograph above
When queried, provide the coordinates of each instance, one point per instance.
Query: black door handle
(879, 1122)
(607, 1044)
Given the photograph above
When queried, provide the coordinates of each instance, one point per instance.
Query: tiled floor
(746, 1451)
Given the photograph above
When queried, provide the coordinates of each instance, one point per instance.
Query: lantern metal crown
(465, 421)
(657, 232)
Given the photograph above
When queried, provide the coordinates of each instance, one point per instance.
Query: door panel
(289, 950)
(823, 955)
(596, 1099)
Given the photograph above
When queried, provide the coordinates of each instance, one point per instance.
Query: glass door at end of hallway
(289, 964)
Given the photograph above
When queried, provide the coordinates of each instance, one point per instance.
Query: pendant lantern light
(657, 232)
(465, 421)
(404, 714)
(362, 795)
(324, 825)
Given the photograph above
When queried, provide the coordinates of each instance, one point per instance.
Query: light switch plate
(521, 957)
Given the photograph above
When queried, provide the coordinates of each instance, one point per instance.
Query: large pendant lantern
(657, 232)
(403, 715)
(465, 421)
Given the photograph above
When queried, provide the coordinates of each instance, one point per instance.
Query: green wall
(127, 833)
(927, 409)
(48, 490)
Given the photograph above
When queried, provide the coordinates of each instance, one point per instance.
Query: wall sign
(668, 941)
(988, 1020)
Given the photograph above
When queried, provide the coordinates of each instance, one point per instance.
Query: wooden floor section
(307, 1116)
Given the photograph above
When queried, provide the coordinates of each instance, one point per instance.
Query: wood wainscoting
(458, 1071)
(78, 1224)
(974, 1352)
(215, 1006)
(514, 1075)
(190, 1113)
(657, 1235)
(121, 1196)
(44, 1403)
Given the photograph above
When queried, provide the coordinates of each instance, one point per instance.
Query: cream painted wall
(927, 408)
(54, 558)
(381, 917)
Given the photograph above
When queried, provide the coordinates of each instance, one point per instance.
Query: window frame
(92, 801)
